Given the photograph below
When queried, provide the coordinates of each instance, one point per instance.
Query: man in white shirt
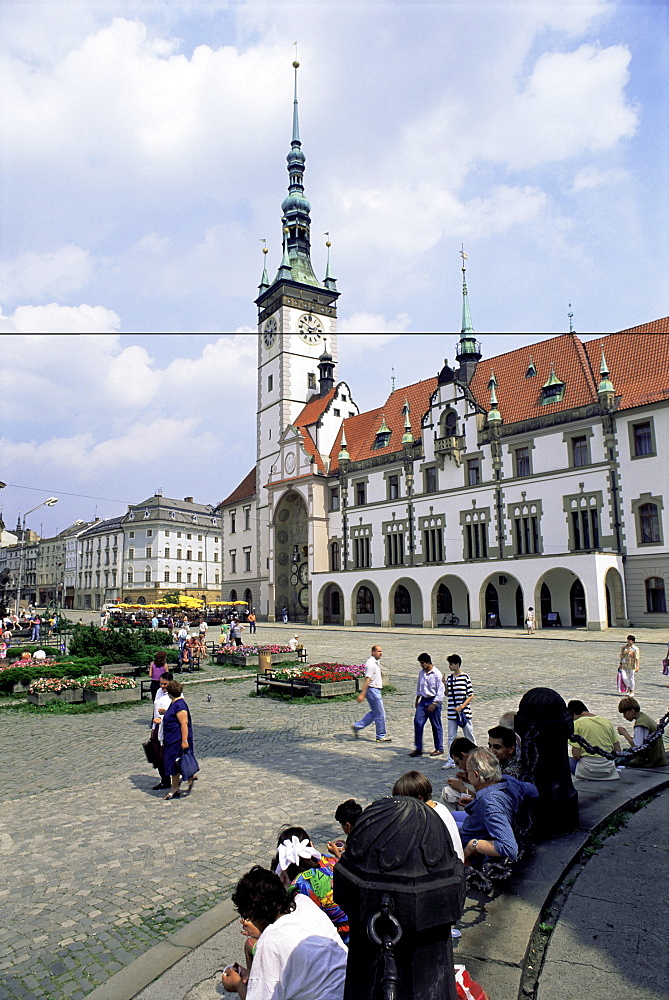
(371, 690)
(429, 699)
(299, 955)
(161, 703)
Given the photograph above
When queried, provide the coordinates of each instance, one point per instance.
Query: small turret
(605, 391)
(264, 281)
(407, 437)
(494, 418)
(329, 281)
(325, 372)
(344, 457)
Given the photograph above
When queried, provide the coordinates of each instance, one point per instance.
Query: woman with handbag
(178, 759)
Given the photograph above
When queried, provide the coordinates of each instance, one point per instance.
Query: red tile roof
(638, 362)
(245, 490)
(315, 408)
(361, 429)
(311, 449)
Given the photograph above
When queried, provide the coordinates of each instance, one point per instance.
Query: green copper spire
(494, 416)
(329, 281)
(466, 316)
(285, 269)
(343, 453)
(296, 208)
(264, 281)
(605, 389)
(407, 437)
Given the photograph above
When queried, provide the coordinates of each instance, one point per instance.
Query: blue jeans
(376, 713)
(421, 717)
(467, 731)
(252, 628)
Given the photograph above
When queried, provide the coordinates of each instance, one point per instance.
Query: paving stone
(102, 868)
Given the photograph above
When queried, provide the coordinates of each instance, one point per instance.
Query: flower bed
(249, 656)
(46, 689)
(323, 680)
(111, 690)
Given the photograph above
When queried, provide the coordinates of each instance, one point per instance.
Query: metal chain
(626, 754)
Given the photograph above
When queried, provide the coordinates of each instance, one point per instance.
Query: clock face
(269, 334)
(310, 328)
(304, 574)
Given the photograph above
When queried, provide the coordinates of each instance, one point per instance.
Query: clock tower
(297, 316)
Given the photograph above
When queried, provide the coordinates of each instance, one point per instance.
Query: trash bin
(399, 860)
(264, 662)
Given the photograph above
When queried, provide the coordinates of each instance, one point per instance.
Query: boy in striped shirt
(459, 696)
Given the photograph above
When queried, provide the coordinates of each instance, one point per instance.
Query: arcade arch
(615, 598)
(406, 603)
(501, 596)
(559, 592)
(450, 596)
(366, 604)
(331, 605)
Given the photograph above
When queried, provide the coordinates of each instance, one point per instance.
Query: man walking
(429, 698)
(371, 690)
(252, 619)
(460, 694)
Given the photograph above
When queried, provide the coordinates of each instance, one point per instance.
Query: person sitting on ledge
(487, 826)
(502, 743)
(299, 953)
(654, 755)
(599, 732)
(457, 793)
(417, 786)
(347, 815)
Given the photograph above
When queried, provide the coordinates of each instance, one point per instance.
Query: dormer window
(194, 518)
(172, 515)
(382, 439)
(147, 513)
(531, 369)
(553, 389)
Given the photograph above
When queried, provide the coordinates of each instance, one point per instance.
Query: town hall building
(535, 478)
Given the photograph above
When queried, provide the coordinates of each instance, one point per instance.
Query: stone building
(532, 479)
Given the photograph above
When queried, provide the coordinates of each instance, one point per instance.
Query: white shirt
(373, 671)
(299, 957)
(452, 828)
(162, 700)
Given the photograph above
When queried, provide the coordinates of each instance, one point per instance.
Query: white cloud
(365, 323)
(593, 177)
(33, 275)
(54, 318)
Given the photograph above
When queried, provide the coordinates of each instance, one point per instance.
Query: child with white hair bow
(302, 868)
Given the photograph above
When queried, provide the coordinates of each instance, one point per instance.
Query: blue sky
(144, 146)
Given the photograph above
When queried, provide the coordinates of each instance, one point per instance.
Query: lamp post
(49, 502)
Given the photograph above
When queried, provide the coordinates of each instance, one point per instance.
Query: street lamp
(49, 502)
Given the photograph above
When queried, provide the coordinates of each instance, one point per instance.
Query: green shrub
(14, 652)
(74, 666)
(117, 645)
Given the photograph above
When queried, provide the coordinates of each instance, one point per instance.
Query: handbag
(150, 751)
(460, 717)
(188, 766)
(665, 666)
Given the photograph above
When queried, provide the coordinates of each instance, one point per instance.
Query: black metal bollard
(544, 726)
(402, 886)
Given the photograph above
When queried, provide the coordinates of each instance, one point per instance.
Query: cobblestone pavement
(98, 867)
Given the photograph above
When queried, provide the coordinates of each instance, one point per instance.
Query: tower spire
(264, 281)
(466, 316)
(329, 281)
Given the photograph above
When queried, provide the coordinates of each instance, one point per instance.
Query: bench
(121, 670)
(293, 685)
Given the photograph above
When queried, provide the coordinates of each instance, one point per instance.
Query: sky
(143, 164)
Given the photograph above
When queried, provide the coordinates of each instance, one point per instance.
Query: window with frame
(360, 494)
(475, 533)
(473, 471)
(580, 454)
(649, 524)
(430, 479)
(217, 578)
(167, 552)
(131, 576)
(199, 556)
(167, 576)
(178, 576)
(189, 577)
(311, 380)
(178, 553)
(247, 560)
(393, 486)
(395, 548)
(433, 545)
(215, 556)
(233, 561)
(526, 533)
(149, 532)
(643, 439)
(131, 553)
(147, 576)
(334, 499)
(149, 552)
(233, 522)
(656, 599)
(270, 383)
(335, 564)
(585, 528)
(189, 555)
(247, 519)
(522, 461)
(362, 552)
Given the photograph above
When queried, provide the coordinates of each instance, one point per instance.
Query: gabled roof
(361, 429)
(520, 397)
(310, 448)
(315, 408)
(638, 361)
(246, 489)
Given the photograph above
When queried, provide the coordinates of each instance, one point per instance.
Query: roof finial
(392, 379)
(571, 317)
(492, 385)
(296, 123)
(264, 281)
(329, 281)
(343, 453)
(604, 368)
(466, 317)
(407, 437)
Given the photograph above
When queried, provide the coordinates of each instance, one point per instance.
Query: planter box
(233, 660)
(73, 697)
(20, 687)
(332, 688)
(112, 697)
